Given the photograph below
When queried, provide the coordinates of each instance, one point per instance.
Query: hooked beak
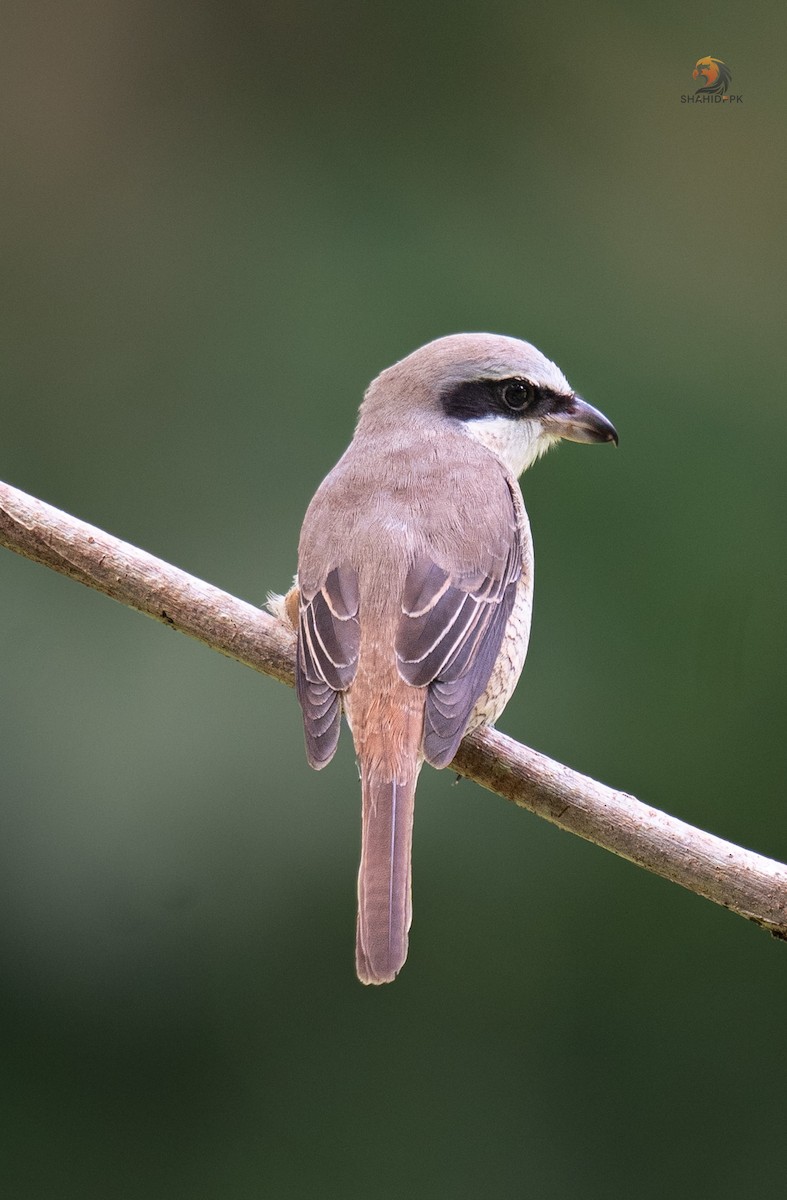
(578, 421)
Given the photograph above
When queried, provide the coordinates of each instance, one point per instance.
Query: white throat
(516, 443)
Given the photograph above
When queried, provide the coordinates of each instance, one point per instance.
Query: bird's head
(717, 76)
(707, 69)
(501, 391)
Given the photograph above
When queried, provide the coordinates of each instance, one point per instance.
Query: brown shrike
(415, 585)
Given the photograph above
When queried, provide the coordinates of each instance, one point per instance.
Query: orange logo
(717, 76)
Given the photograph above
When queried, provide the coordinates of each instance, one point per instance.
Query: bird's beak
(578, 421)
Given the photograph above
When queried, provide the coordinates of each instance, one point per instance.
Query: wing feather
(328, 643)
(449, 637)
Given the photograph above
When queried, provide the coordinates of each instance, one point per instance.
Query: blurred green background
(220, 220)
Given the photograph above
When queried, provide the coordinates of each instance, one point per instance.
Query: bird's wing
(328, 642)
(451, 630)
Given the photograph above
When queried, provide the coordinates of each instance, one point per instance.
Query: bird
(413, 595)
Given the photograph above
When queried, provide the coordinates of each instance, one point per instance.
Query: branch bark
(747, 883)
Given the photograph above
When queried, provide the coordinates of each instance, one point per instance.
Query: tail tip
(373, 973)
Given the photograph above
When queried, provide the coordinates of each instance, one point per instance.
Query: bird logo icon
(715, 73)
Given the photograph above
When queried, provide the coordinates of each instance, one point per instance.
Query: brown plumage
(415, 587)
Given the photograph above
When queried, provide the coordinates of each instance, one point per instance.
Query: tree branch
(745, 882)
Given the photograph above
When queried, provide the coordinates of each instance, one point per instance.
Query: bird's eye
(517, 395)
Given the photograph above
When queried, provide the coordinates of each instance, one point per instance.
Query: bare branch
(138, 579)
(745, 882)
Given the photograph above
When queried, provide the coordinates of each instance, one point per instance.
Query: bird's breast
(510, 660)
(513, 649)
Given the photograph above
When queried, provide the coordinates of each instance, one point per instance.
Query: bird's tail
(384, 878)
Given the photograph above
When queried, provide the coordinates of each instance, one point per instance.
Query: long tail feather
(384, 878)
